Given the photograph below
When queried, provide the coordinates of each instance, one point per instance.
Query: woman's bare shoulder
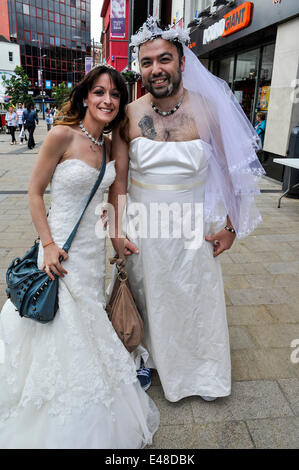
(61, 132)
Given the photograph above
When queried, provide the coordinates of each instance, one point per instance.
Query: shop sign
(88, 63)
(39, 78)
(237, 19)
(118, 18)
(232, 22)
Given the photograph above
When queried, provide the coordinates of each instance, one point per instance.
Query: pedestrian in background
(48, 121)
(19, 112)
(11, 120)
(29, 120)
(260, 126)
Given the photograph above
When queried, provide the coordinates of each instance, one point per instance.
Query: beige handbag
(121, 308)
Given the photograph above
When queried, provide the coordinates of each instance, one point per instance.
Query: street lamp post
(74, 68)
(41, 74)
(74, 62)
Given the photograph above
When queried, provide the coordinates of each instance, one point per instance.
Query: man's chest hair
(177, 127)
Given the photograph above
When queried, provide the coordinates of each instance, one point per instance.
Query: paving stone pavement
(261, 279)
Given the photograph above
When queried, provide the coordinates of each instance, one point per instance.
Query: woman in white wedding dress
(71, 383)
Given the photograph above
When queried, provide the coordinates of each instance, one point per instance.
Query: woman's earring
(84, 104)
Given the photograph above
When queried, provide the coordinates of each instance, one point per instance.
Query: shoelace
(144, 371)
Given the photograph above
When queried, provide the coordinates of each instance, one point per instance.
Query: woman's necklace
(97, 142)
(168, 113)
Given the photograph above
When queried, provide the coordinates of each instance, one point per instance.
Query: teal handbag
(32, 292)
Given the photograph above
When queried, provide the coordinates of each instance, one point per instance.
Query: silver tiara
(150, 30)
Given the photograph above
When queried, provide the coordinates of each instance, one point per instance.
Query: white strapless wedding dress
(71, 383)
(178, 289)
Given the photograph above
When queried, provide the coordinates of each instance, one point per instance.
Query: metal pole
(130, 33)
(93, 57)
(148, 7)
(129, 49)
(41, 76)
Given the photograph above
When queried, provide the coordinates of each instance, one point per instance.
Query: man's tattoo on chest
(147, 127)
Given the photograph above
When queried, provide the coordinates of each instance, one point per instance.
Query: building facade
(254, 47)
(54, 38)
(9, 59)
(124, 17)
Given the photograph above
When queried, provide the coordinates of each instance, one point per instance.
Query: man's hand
(129, 249)
(222, 241)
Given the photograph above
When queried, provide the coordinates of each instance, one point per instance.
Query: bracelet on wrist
(50, 243)
(229, 229)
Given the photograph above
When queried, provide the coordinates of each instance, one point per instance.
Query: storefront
(239, 44)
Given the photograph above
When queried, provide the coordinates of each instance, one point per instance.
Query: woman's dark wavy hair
(73, 111)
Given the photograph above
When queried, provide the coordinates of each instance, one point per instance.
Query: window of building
(62, 19)
(10, 56)
(51, 16)
(57, 42)
(26, 10)
(27, 36)
(264, 83)
(226, 70)
(39, 13)
(52, 41)
(39, 25)
(245, 80)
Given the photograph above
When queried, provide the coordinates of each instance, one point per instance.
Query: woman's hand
(51, 263)
(222, 241)
(129, 247)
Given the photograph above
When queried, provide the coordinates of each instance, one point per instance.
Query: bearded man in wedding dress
(189, 145)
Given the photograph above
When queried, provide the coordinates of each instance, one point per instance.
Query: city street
(261, 277)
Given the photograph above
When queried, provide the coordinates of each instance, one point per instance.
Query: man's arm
(118, 191)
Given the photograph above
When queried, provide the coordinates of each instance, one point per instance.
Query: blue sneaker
(208, 398)
(144, 376)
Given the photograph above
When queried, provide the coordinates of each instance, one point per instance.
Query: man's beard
(172, 87)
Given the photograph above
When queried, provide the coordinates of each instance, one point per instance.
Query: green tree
(61, 94)
(17, 86)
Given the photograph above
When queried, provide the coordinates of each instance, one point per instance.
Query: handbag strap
(70, 239)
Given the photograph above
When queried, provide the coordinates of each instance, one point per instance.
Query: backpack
(29, 118)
